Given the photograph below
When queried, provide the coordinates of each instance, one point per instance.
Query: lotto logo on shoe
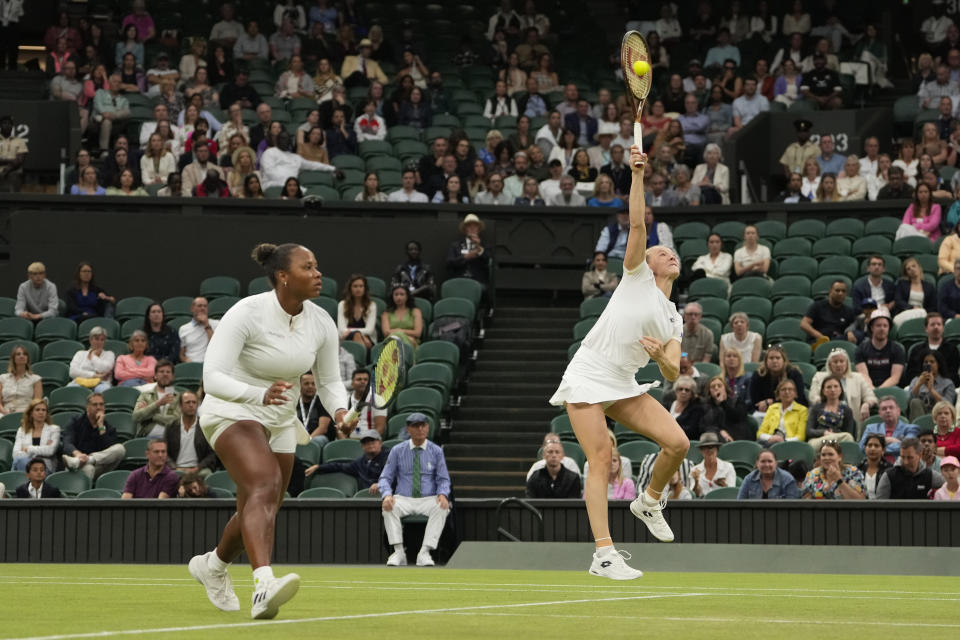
(606, 563)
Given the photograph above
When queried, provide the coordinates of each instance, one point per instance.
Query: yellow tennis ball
(641, 68)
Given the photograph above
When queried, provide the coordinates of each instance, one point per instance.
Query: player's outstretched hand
(637, 159)
(276, 393)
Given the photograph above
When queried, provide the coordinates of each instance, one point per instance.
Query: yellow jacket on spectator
(794, 422)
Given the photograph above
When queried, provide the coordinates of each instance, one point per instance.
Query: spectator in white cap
(366, 469)
(599, 154)
(467, 257)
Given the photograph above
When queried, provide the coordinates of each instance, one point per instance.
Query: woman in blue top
(85, 299)
(603, 194)
(89, 183)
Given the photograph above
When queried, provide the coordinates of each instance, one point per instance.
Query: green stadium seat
(792, 307)
(715, 308)
(188, 374)
(273, 193)
(783, 329)
(750, 287)
(799, 266)
(219, 286)
(6, 453)
(33, 349)
(70, 483)
(324, 193)
(637, 450)
(821, 353)
(792, 247)
(403, 132)
(55, 374)
(111, 326)
(649, 373)
(707, 288)
(691, 231)
(121, 398)
(438, 351)
(321, 493)
(834, 246)
(15, 329)
(885, 226)
(808, 228)
(219, 306)
(410, 149)
(615, 266)
(730, 230)
(258, 285)
(430, 401)
(790, 286)
(133, 307)
(722, 493)
(99, 494)
(69, 399)
(348, 161)
(328, 304)
(178, 306)
(793, 451)
(839, 265)
(433, 375)
(911, 332)
(51, 329)
(852, 453)
(772, 230)
(796, 351)
(849, 228)
(222, 480)
(460, 307)
(462, 288)
(898, 394)
(7, 307)
(753, 306)
(593, 307)
(115, 480)
(342, 450)
(62, 418)
(707, 369)
(370, 148)
(128, 327)
(123, 422)
(807, 370)
(870, 245)
(909, 246)
(561, 424)
(691, 249)
(582, 328)
(341, 481)
(383, 163)
(12, 479)
(358, 351)
(364, 494)
(820, 287)
(929, 264)
(905, 109)
(432, 133)
(309, 453)
(397, 424)
(742, 451)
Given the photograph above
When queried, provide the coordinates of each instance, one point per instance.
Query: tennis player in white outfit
(251, 376)
(639, 324)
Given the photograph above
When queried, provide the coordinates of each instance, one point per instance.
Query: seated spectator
(451, 191)
(879, 358)
(851, 185)
(138, 16)
(371, 189)
(831, 418)
(725, 412)
(413, 275)
(158, 404)
(414, 111)
(857, 388)
(873, 465)
(199, 85)
(239, 92)
(19, 386)
(284, 43)
(913, 296)
(613, 237)
(620, 484)
(658, 233)
(827, 189)
(930, 386)
(68, 88)
(821, 85)
(811, 178)
(569, 463)
(874, 285)
(893, 428)
(161, 73)
(748, 343)
(765, 381)
(567, 197)
(712, 178)
(933, 327)
(416, 493)
(603, 194)
(74, 174)
(90, 442)
(787, 88)
(369, 417)
(786, 420)
(686, 368)
(163, 343)
(531, 194)
(407, 191)
(827, 318)
(687, 409)
(829, 161)
(155, 479)
(370, 126)
(242, 160)
(658, 195)
(157, 162)
(402, 318)
(928, 448)
(196, 171)
(93, 368)
(136, 368)
(831, 479)
(189, 452)
(685, 193)
(793, 194)
(278, 162)
(923, 214)
(753, 258)
(367, 469)
(598, 282)
(466, 258)
(909, 478)
(532, 103)
(356, 313)
(36, 439)
(949, 253)
(494, 195)
(109, 107)
(251, 188)
(768, 481)
(360, 68)
(129, 44)
(291, 189)
(196, 334)
(316, 420)
(251, 45)
(340, 139)
(748, 106)
(723, 51)
(294, 82)
(733, 373)
(711, 472)
(950, 470)
(719, 115)
(37, 297)
(325, 81)
(553, 480)
(500, 103)
(698, 340)
(85, 299)
(618, 170)
(227, 30)
(35, 487)
(600, 154)
(127, 184)
(669, 148)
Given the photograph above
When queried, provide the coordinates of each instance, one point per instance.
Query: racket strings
(632, 49)
(388, 368)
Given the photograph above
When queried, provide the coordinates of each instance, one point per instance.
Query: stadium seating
(323, 493)
(347, 485)
(70, 483)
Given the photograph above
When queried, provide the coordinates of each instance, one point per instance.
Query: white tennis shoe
(611, 563)
(652, 516)
(219, 586)
(397, 559)
(424, 559)
(271, 594)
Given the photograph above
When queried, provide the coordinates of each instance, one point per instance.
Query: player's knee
(600, 459)
(676, 446)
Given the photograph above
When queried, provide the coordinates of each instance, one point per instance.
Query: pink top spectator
(127, 368)
(623, 491)
(943, 494)
(929, 224)
(143, 23)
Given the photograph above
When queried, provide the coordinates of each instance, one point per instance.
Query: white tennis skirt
(591, 379)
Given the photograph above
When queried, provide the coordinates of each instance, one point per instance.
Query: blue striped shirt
(434, 479)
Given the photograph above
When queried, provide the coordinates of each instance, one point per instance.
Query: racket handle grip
(638, 136)
(350, 417)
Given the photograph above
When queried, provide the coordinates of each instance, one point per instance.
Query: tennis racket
(634, 48)
(386, 379)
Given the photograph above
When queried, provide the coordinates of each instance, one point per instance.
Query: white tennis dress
(604, 368)
(256, 344)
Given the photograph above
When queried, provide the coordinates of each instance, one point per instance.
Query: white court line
(722, 620)
(358, 616)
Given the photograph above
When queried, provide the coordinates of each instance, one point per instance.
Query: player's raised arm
(637, 240)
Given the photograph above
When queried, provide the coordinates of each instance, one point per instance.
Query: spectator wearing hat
(856, 331)
(13, 153)
(874, 285)
(909, 478)
(711, 472)
(601, 153)
(822, 85)
(768, 481)
(797, 153)
(950, 470)
(418, 469)
(879, 358)
(467, 257)
(366, 469)
(361, 69)
(36, 296)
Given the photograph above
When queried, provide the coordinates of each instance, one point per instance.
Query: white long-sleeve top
(86, 364)
(369, 328)
(276, 166)
(256, 344)
(49, 442)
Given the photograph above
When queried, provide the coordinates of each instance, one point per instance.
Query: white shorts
(589, 378)
(282, 439)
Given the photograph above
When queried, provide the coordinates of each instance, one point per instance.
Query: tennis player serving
(251, 375)
(639, 324)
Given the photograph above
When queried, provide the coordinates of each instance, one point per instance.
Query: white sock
(650, 501)
(398, 547)
(260, 574)
(215, 563)
(603, 551)
(426, 549)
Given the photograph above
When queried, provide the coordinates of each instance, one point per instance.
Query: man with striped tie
(418, 470)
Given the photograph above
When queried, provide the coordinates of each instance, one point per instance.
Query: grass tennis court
(76, 601)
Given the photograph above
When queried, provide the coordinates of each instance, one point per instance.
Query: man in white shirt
(506, 19)
(407, 191)
(277, 164)
(368, 417)
(370, 126)
(567, 196)
(934, 28)
(548, 136)
(196, 334)
(147, 128)
(550, 188)
(251, 45)
(868, 163)
(228, 30)
(35, 488)
(160, 71)
(187, 447)
(494, 195)
(513, 185)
